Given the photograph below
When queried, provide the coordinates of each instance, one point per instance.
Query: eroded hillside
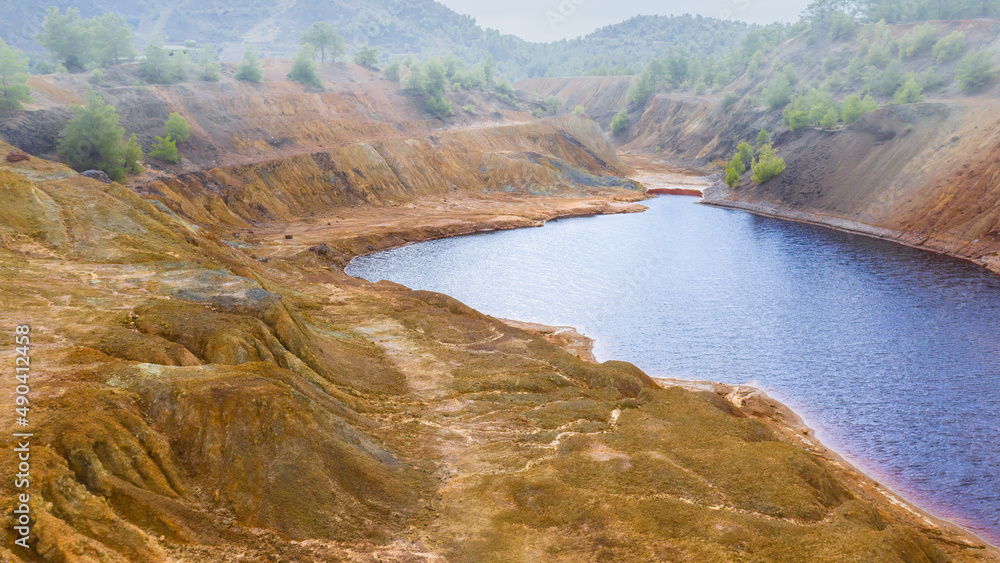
(210, 386)
(921, 173)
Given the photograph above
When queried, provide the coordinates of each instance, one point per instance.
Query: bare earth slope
(206, 388)
(924, 174)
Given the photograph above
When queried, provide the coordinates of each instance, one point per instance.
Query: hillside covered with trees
(422, 27)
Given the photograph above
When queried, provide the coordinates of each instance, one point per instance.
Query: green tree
(778, 92)
(830, 119)
(950, 47)
(737, 163)
(763, 138)
(112, 39)
(554, 103)
(733, 177)
(414, 80)
(392, 70)
(304, 67)
(975, 71)
(745, 152)
(325, 39)
(208, 65)
(641, 88)
(249, 69)
(578, 110)
(767, 166)
(165, 150)
(489, 69)
(795, 119)
(854, 107)
(910, 92)
(66, 36)
(93, 138)
(440, 107)
(435, 78)
(163, 67)
(841, 26)
(619, 122)
(132, 155)
(367, 57)
(14, 89)
(728, 98)
(177, 127)
(918, 41)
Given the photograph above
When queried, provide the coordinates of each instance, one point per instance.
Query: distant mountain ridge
(395, 27)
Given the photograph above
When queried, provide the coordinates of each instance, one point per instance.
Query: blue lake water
(891, 353)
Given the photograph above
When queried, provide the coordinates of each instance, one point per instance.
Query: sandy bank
(754, 402)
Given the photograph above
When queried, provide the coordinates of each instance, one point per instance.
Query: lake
(891, 353)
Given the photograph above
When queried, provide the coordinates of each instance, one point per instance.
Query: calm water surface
(891, 353)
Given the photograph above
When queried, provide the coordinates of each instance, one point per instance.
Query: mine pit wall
(924, 174)
(568, 156)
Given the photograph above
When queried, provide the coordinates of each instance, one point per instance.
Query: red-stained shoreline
(674, 191)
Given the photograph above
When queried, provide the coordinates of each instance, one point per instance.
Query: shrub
(732, 176)
(536, 113)
(162, 66)
(918, 41)
(367, 57)
(392, 70)
(165, 149)
(833, 82)
(949, 48)
(554, 103)
(929, 79)
(93, 138)
(700, 89)
(829, 121)
(132, 155)
(778, 93)
(97, 77)
(304, 68)
(763, 138)
(578, 110)
(910, 92)
(190, 43)
(440, 107)
(888, 81)
(208, 65)
(641, 88)
(177, 127)
(14, 89)
(737, 163)
(249, 69)
(619, 122)
(767, 166)
(728, 99)
(795, 119)
(975, 71)
(841, 26)
(470, 108)
(854, 107)
(878, 56)
(746, 153)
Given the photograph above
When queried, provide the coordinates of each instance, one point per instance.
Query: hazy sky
(550, 20)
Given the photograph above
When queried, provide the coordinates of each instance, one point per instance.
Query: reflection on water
(891, 352)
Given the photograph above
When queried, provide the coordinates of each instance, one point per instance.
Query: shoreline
(748, 399)
(774, 211)
(755, 402)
